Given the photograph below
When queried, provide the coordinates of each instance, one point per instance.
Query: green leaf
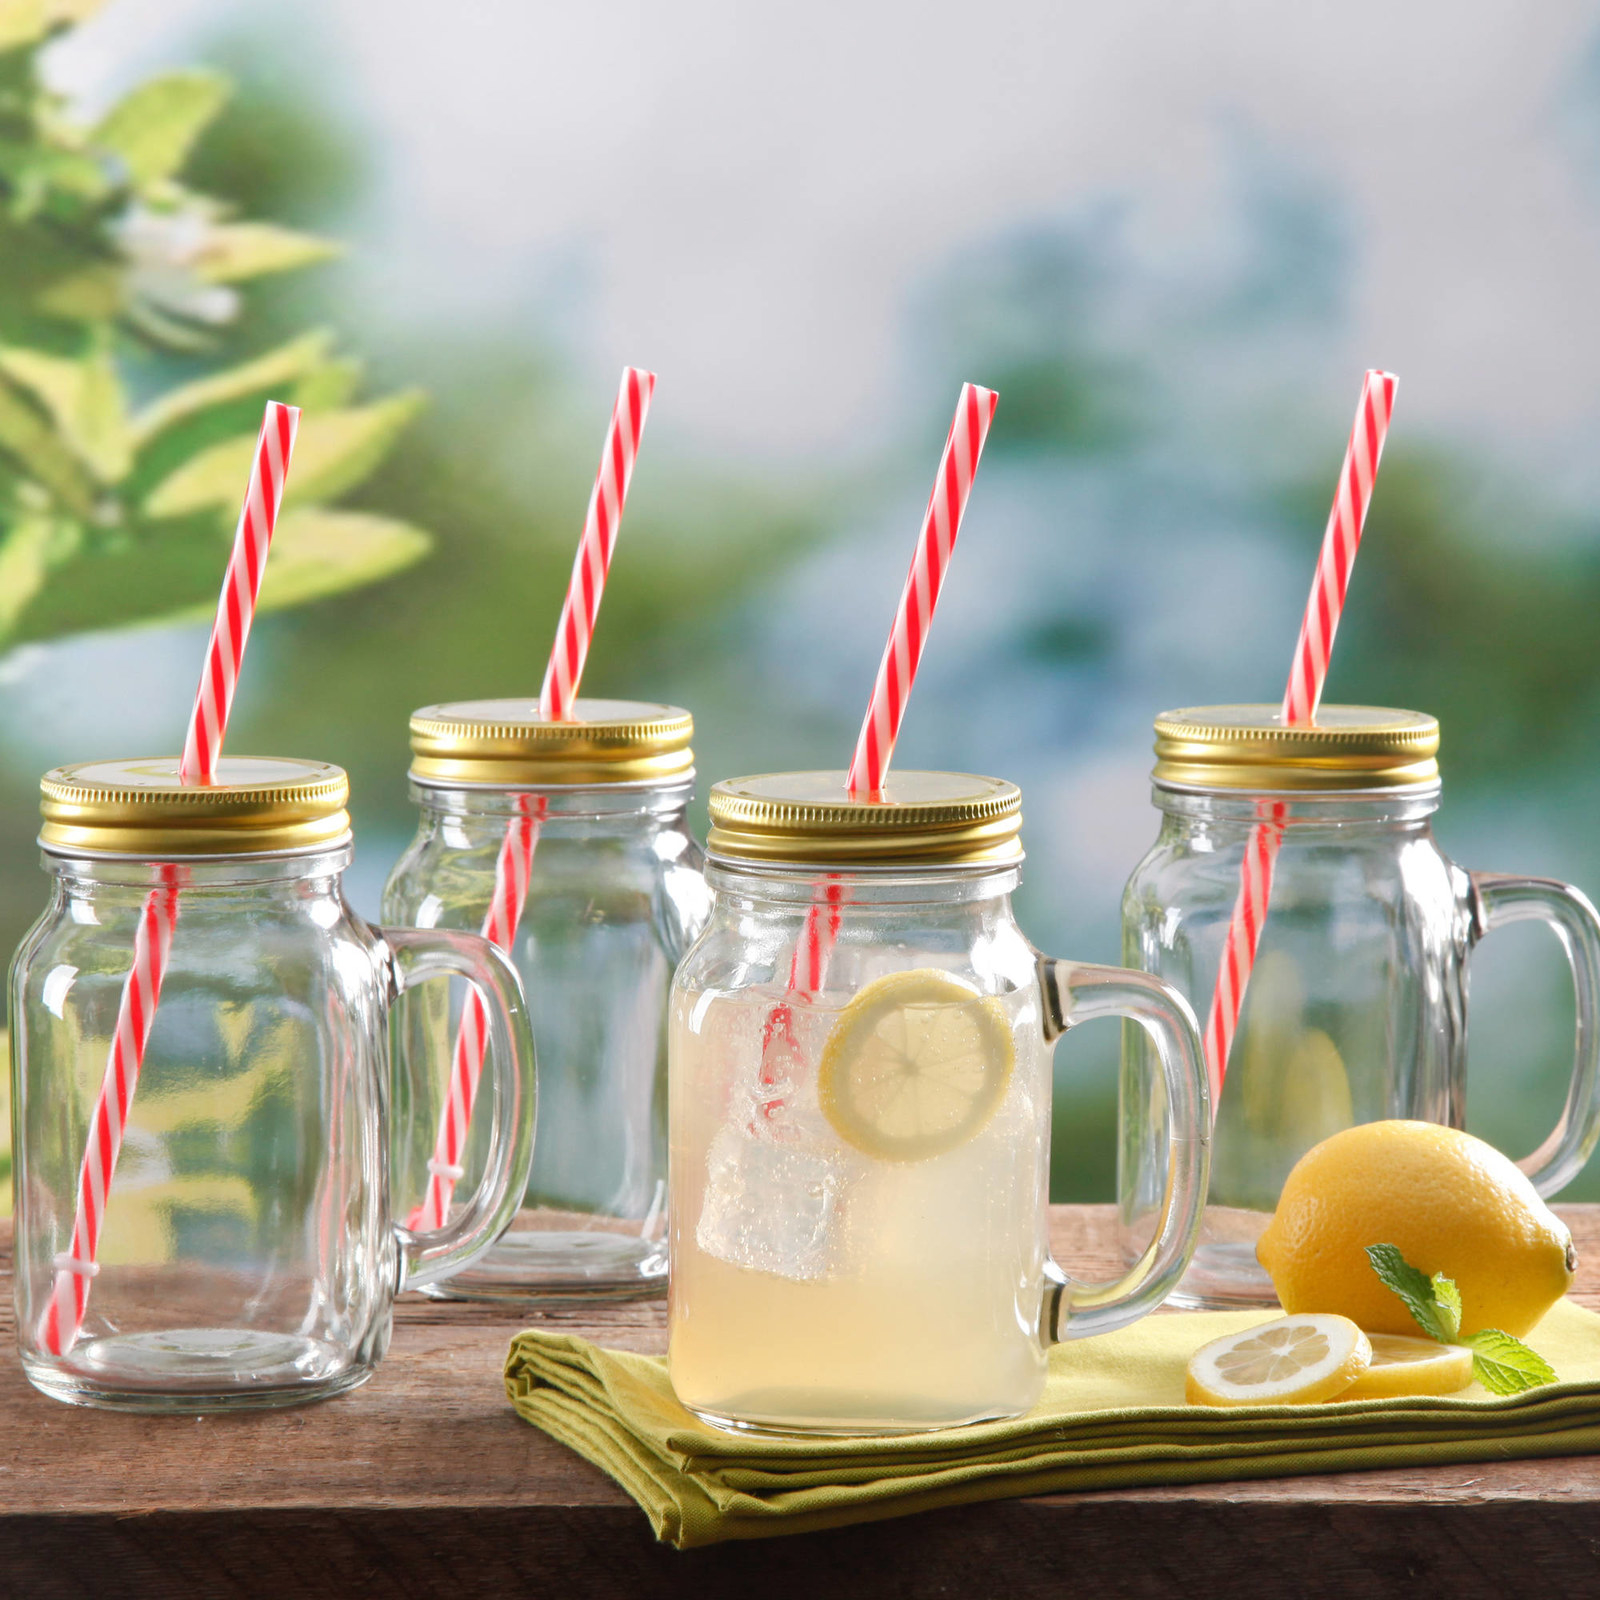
(39, 259)
(27, 437)
(40, 167)
(329, 386)
(153, 128)
(1413, 1287)
(84, 398)
(133, 578)
(317, 553)
(93, 295)
(1504, 1365)
(22, 22)
(235, 251)
(279, 368)
(1447, 1299)
(34, 547)
(333, 452)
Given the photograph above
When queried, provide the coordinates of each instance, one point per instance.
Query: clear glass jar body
(248, 1255)
(615, 895)
(817, 1287)
(1355, 1010)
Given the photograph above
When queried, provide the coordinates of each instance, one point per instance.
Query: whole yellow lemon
(1451, 1203)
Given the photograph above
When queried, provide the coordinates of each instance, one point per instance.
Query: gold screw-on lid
(507, 743)
(924, 818)
(260, 804)
(1251, 747)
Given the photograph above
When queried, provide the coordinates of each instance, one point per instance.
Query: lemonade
(858, 1053)
(820, 1281)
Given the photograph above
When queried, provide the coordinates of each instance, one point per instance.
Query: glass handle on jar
(1074, 993)
(1499, 898)
(423, 953)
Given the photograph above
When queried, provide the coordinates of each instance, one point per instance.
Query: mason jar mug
(1355, 1009)
(860, 1116)
(567, 842)
(199, 1058)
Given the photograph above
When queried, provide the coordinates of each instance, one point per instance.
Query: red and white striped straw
(781, 1057)
(514, 868)
(141, 991)
(1307, 675)
(593, 560)
(901, 655)
(269, 470)
(808, 970)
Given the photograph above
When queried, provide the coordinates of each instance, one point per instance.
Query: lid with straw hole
(1252, 747)
(506, 743)
(921, 818)
(259, 805)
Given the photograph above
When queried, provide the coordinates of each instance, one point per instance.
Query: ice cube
(769, 1206)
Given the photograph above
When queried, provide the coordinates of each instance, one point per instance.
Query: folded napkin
(1112, 1415)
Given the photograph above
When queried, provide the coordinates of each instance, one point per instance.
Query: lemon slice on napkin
(915, 1066)
(1293, 1361)
(1403, 1365)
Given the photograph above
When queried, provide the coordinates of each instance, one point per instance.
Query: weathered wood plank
(423, 1483)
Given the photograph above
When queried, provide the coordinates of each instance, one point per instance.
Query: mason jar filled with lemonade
(860, 1083)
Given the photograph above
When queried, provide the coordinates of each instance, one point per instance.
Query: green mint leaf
(1504, 1365)
(1448, 1299)
(1413, 1287)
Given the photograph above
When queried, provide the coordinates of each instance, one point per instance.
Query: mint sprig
(1502, 1364)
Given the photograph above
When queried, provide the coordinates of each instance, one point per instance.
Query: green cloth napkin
(1112, 1415)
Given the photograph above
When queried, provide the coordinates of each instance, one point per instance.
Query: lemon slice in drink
(1292, 1361)
(1403, 1365)
(915, 1066)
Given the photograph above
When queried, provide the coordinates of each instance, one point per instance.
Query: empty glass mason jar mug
(568, 843)
(1356, 1007)
(861, 1114)
(199, 1058)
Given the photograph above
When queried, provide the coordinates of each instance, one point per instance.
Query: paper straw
(780, 1050)
(269, 468)
(511, 873)
(593, 560)
(1307, 675)
(901, 655)
(141, 991)
(69, 1294)
(514, 868)
(781, 1057)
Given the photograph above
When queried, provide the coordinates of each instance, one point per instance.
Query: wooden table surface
(425, 1483)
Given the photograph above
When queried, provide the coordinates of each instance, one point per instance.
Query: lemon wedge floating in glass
(915, 1066)
(1403, 1365)
(1295, 1361)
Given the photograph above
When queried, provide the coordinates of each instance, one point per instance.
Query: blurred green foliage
(1473, 598)
(119, 482)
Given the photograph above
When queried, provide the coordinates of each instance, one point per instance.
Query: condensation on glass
(615, 895)
(1356, 1009)
(861, 1138)
(248, 1256)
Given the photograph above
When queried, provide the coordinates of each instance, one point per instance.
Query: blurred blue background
(1171, 237)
